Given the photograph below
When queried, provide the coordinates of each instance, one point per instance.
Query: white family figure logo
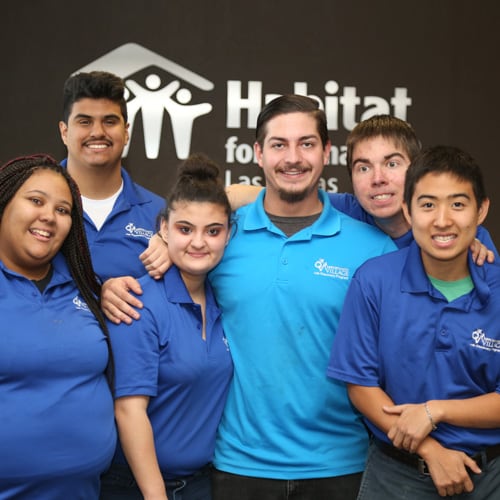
(157, 96)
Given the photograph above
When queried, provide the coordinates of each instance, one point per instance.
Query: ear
(127, 133)
(483, 211)
(229, 232)
(406, 212)
(258, 153)
(63, 130)
(164, 230)
(326, 153)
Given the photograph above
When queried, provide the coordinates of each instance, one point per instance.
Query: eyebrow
(284, 139)
(105, 117)
(187, 223)
(386, 157)
(450, 197)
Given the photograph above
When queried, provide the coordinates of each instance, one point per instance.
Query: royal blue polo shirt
(163, 356)
(125, 234)
(399, 333)
(56, 417)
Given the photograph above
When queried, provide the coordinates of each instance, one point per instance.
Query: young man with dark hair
(418, 344)
(120, 215)
(281, 287)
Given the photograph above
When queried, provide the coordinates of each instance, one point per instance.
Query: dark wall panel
(205, 68)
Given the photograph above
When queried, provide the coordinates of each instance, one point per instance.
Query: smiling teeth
(45, 234)
(381, 196)
(97, 146)
(444, 239)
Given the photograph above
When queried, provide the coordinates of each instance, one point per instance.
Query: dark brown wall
(444, 53)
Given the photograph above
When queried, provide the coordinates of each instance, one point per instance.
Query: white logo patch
(138, 232)
(324, 269)
(80, 304)
(481, 341)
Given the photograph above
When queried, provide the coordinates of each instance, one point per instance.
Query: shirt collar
(414, 278)
(328, 223)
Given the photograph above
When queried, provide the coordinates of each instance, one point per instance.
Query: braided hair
(75, 248)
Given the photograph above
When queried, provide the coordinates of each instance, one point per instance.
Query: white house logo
(324, 269)
(481, 341)
(80, 304)
(138, 232)
(156, 95)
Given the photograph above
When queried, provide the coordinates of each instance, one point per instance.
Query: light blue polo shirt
(281, 299)
(399, 333)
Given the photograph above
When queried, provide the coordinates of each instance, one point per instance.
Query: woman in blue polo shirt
(173, 366)
(57, 432)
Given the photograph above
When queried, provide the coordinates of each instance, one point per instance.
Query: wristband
(429, 414)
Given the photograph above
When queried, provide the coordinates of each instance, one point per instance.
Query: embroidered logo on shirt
(138, 232)
(481, 341)
(324, 269)
(80, 304)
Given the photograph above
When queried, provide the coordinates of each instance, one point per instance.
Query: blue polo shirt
(163, 356)
(56, 417)
(125, 234)
(281, 299)
(399, 333)
(349, 204)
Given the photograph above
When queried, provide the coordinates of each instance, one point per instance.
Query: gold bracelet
(429, 414)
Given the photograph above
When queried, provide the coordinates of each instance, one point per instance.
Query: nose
(442, 218)
(293, 154)
(198, 239)
(97, 129)
(47, 213)
(378, 176)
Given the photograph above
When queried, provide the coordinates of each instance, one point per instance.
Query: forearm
(481, 412)
(370, 402)
(136, 437)
(242, 194)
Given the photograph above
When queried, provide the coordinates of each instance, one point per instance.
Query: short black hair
(94, 85)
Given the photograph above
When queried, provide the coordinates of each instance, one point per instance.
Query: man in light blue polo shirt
(419, 344)
(281, 286)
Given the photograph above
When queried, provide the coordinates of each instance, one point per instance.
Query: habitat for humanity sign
(161, 89)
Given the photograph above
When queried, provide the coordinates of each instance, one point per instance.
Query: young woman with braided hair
(56, 420)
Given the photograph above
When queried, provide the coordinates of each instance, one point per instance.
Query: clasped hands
(449, 469)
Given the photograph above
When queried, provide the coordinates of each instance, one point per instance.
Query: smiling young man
(418, 344)
(120, 215)
(280, 286)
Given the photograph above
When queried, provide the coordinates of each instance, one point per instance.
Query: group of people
(306, 346)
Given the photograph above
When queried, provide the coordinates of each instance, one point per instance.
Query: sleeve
(485, 238)
(354, 355)
(348, 204)
(136, 354)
